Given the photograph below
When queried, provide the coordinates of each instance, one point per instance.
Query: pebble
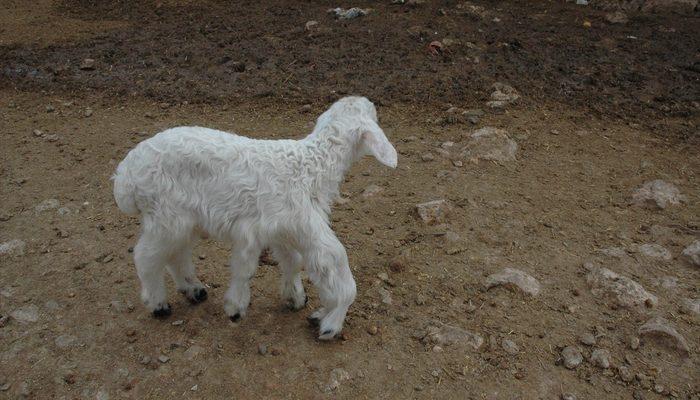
(64, 341)
(145, 360)
(654, 250)
(306, 108)
(397, 264)
(572, 357)
(337, 377)
(262, 349)
(26, 314)
(502, 95)
(276, 351)
(601, 358)
(178, 322)
(310, 25)
(373, 330)
(50, 108)
(385, 295)
(371, 191)
(434, 212)
(491, 144)
(88, 112)
(4, 320)
(194, 388)
(588, 339)
(447, 335)
(13, 247)
(623, 291)
(47, 205)
(692, 253)
(163, 359)
(437, 349)
(514, 278)
(625, 374)
(568, 396)
(427, 157)
(690, 306)
(87, 64)
(510, 347)
(657, 194)
(193, 352)
(634, 342)
(617, 17)
(665, 334)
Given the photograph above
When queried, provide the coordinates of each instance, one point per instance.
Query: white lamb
(254, 194)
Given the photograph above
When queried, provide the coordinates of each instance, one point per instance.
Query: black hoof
(313, 321)
(199, 296)
(236, 317)
(163, 312)
(306, 300)
(325, 333)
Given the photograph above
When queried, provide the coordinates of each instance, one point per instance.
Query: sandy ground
(76, 328)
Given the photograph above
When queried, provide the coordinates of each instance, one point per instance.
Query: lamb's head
(354, 120)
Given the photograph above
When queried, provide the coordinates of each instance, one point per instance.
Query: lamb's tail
(125, 190)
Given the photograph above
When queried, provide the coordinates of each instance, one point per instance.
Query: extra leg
(291, 288)
(182, 270)
(150, 257)
(244, 262)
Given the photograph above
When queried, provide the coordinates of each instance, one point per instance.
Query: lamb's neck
(330, 160)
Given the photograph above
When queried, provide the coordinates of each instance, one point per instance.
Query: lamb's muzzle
(253, 194)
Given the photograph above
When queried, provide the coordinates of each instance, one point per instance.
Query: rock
(434, 212)
(657, 194)
(514, 278)
(653, 250)
(633, 342)
(385, 295)
(490, 144)
(194, 388)
(568, 396)
(625, 374)
(397, 264)
(276, 351)
(663, 333)
(571, 357)
(50, 108)
(668, 282)
(45, 205)
(350, 13)
(13, 247)
(65, 341)
(371, 191)
(588, 339)
(616, 252)
(510, 347)
(623, 291)
(26, 314)
(617, 17)
(310, 25)
(690, 306)
(427, 157)
(193, 352)
(117, 306)
(88, 112)
(447, 335)
(306, 108)
(502, 95)
(338, 376)
(692, 253)
(262, 349)
(601, 358)
(87, 64)
(373, 330)
(178, 322)
(145, 360)
(102, 394)
(4, 320)
(163, 359)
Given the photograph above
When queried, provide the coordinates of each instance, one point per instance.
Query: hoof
(236, 317)
(199, 296)
(306, 300)
(163, 312)
(313, 321)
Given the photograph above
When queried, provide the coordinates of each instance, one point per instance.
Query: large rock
(434, 212)
(665, 334)
(490, 143)
(447, 335)
(692, 253)
(514, 279)
(623, 291)
(657, 194)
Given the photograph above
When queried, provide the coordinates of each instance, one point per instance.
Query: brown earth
(600, 113)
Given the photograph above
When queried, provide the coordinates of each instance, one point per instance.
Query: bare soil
(603, 109)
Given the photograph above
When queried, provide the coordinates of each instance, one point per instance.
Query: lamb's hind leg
(183, 271)
(244, 262)
(291, 288)
(150, 256)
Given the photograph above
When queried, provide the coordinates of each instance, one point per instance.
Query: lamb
(254, 194)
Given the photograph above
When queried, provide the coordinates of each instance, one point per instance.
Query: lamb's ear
(376, 144)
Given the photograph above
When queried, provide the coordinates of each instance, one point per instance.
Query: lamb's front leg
(329, 270)
(244, 262)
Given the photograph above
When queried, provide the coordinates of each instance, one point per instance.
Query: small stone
(601, 358)
(654, 250)
(337, 377)
(427, 157)
(658, 388)
(491, 144)
(572, 357)
(434, 212)
(638, 394)
(373, 330)
(623, 291)
(617, 17)
(514, 278)
(13, 247)
(178, 322)
(276, 351)
(107, 258)
(510, 347)
(587, 338)
(102, 394)
(625, 374)
(50, 108)
(163, 359)
(661, 330)
(692, 253)
(690, 306)
(306, 108)
(65, 341)
(397, 265)
(420, 299)
(87, 64)
(502, 95)
(88, 112)
(145, 360)
(310, 25)
(130, 332)
(634, 342)
(194, 388)
(385, 295)
(447, 335)
(568, 396)
(193, 352)
(262, 349)
(657, 194)
(371, 191)
(26, 314)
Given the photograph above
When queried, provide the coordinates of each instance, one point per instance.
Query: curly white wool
(253, 194)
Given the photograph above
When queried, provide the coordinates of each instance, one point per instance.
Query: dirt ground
(603, 108)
